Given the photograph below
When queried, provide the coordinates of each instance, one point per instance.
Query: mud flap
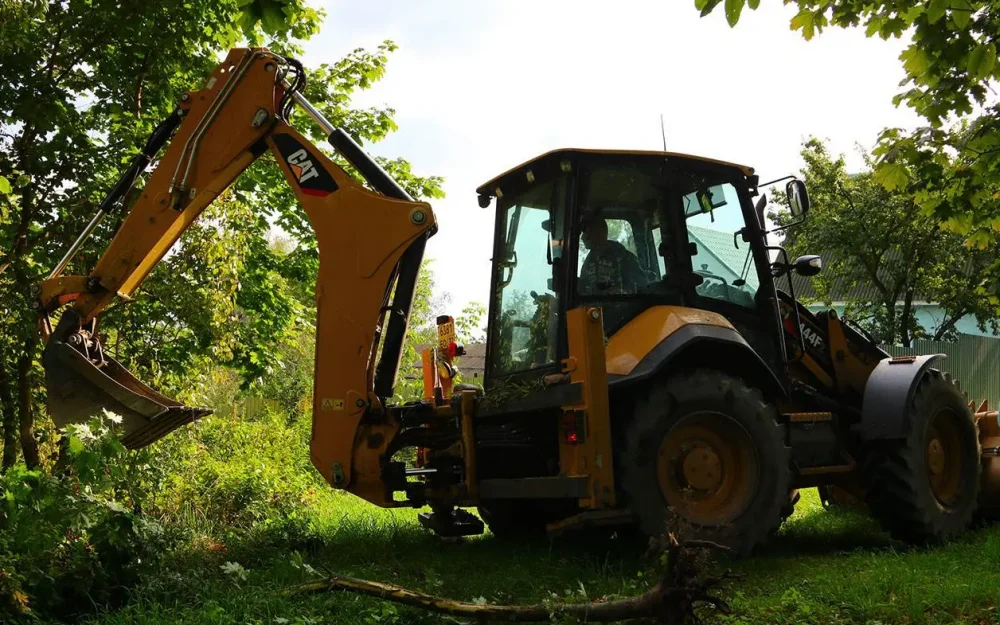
(78, 390)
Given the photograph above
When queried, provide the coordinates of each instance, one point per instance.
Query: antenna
(663, 132)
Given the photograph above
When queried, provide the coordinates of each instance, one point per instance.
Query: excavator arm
(370, 243)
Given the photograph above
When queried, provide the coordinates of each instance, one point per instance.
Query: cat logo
(307, 169)
(302, 167)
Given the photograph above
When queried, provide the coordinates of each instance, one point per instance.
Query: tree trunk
(906, 327)
(25, 411)
(8, 409)
(890, 321)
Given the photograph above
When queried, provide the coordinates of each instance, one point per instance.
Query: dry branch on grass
(673, 600)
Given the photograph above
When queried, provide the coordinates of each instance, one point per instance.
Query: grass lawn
(823, 567)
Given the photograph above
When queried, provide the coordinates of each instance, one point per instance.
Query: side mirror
(798, 197)
(808, 265)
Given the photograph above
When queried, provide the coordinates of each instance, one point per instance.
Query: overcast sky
(480, 87)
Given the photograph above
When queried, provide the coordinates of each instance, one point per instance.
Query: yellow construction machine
(645, 351)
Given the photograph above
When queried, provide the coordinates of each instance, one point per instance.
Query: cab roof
(489, 188)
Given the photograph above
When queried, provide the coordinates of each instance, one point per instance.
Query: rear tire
(924, 488)
(707, 446)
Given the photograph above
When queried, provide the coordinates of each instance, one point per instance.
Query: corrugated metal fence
(972, 359)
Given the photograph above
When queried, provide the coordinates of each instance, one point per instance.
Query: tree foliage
(884, 255)
(951, 167)
(85, 81)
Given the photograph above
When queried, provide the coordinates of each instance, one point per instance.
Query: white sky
(480, 87)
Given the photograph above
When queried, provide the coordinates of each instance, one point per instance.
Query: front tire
(924, 488)
(708, 447)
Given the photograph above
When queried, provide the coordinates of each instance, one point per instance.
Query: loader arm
(370, 248)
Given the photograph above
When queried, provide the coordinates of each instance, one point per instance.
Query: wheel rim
(707, 468)
(944, 457)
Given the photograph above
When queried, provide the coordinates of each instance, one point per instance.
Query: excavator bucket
(78, 389)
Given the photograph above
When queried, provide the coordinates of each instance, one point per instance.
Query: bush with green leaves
(228, 474)
(77, 539)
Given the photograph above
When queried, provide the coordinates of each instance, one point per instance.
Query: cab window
(621, 205)
(720, 255)
(526, 307)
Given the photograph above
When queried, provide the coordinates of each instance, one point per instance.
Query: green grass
(823, 567)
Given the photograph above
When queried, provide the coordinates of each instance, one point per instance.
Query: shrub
(76, 540)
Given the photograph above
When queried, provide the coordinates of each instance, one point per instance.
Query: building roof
(720, 245)
(473, 363)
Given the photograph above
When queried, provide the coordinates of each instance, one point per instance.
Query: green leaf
(4, 186)
(961, 13)
(272, 17)
(915, 60)
(75, 445)
(706, 6)
(753, 4)
(806, 22)
(982, 60)
(733, 10)
(892, 176)
(936, 10)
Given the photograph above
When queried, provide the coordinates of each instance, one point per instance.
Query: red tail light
(573, 428)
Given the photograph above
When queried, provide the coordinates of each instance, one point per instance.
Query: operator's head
(594, 233)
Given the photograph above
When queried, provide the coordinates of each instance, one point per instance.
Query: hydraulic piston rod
(124, 184)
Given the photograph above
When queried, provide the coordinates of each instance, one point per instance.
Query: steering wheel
(712, 276)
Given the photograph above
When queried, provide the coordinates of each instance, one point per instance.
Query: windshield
(719, 254)
(526, 311)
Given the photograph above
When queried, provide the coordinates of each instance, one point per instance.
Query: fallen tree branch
(673, 600)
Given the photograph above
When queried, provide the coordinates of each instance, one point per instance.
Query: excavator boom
(370, 240)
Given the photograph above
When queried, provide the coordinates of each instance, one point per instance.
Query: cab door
(527, 333)
(734, 273)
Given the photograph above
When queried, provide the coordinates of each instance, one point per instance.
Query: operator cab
(625, 231)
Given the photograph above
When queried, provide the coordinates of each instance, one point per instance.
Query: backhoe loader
(646, 358)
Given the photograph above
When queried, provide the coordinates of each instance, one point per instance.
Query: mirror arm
(787, 226)
(776, 180)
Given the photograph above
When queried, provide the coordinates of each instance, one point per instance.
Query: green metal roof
(720, 245)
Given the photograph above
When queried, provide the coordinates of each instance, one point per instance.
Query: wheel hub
(935, 458)
(702, 468)
(944, 457)
(707, 468)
